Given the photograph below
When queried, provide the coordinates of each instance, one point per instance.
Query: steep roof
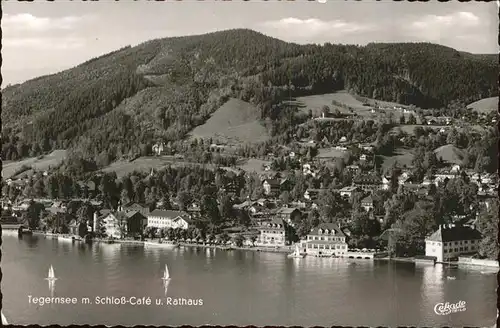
(367, 199)
(168, 213)
(454, 233)
(273, 182)
(329, 227)
(286, 210)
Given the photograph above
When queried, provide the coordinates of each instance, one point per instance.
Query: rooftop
(447, 233)
(323, 227)
(168, 213)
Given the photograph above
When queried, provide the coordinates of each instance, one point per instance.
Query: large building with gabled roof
(451, 241)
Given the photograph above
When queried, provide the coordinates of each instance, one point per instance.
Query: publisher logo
(448, 308)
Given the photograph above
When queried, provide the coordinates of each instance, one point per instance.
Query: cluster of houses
(274, 221)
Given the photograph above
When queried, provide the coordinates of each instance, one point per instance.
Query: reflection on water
(166, 283)
(52, 287)
(237, 287)
(432, 287)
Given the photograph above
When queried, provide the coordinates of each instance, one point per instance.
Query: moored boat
(296, 253)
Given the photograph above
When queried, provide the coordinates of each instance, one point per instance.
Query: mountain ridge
(121, 102)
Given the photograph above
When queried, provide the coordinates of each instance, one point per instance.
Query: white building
(451, 241)
(386, 183)
(326, 239)
(158, 148)
(348, 191)
(169, 219)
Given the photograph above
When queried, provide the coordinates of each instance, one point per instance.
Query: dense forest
(118, 105)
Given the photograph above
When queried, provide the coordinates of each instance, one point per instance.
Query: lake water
(237, 287)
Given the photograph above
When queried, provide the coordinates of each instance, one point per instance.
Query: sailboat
(166, 274)
(51, 276)
(296, 253)
(4, 320)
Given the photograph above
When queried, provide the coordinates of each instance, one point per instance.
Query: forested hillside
(119, 104)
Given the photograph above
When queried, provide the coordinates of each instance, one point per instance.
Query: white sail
(51, 275)
(166, 274)
(297, 250)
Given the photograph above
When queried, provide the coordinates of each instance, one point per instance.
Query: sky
(42, 38)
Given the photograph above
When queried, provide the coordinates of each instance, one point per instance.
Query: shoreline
(282, 250)
(396, 259)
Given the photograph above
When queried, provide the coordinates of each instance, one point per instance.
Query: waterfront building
(121, 224)
(169, 219)
(451, 241)
(273, 233)
(326, 239)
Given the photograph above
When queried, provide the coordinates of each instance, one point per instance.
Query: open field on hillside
(254, 165)
(235, 122)
(328, 153)
(450, 154)
(316, 102)
(145, 164)
(404, 157)
(410, 129)
(9, 168)
(485, 105)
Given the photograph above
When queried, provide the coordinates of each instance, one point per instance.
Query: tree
(122, 226)
(210, 209)
(183, 199)
(331, 205)
(285, 197)
(243, 218)
(100, 231)
(150, 232)
(226, 208)
(33, 213)
(238, 240)
(412, 120)
(224, 237)
(170, 234)
(253, 239)
(85, 213)
(487, 224)
(325, 110)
